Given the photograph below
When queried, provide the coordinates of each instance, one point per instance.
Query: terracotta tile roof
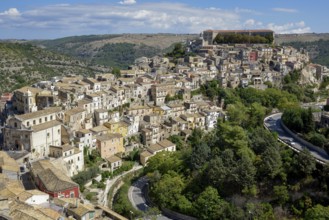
(84, 131)
(45, 125)
(31, 89)
(146, 154)
(39, 113)
(107, 137)
(8, 163)
(166, 143)
(10, 188)
(155, 148)
(99, 129)
(23, 196)
(74, 111)
(52, 178)
(64, 148)
(113, 159)
(20, 210)
(79, 210)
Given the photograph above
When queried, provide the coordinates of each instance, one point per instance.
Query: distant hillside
(309, 37)
(317, 45)
(24, 64)
(114, 50)
(318, 50)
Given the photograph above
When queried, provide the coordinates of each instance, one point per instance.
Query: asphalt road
(273, 123)
(137, 199)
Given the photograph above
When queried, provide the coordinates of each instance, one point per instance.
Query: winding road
(273, 123)
(137, 199)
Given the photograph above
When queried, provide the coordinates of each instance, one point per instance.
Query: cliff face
(308, 78)
(23, 64)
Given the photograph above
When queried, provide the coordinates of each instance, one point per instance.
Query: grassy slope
(114, 50)
(24, 64)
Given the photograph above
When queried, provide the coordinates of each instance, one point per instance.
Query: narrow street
(103, 198)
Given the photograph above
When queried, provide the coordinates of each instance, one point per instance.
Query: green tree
(257, 114)
(271, 163)
(318, 212)
(116, 71)
(209, 205)
(237, 114)
(281, 194)
(235, 138)
(178, 140)
(259, 211)
(200, 156)
(168, 189)
(165, 162)
(306, 162)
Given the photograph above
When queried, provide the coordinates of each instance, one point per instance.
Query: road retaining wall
(310, 146)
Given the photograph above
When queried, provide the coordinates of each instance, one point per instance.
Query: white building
(101, 116)
(44, 135)
(211, 117)
(133, 122)
(72, 157)
(84, 138)
(34, 197)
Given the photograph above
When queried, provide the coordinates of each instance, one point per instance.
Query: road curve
(273, 124)
(136, 197)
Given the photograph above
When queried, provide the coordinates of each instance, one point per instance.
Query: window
(59, 131)
(51, 117)
(46, 119)
(40, 120)
(78, 158)
(28, 123)
(48, 134)
(15, 124)
(72, 194)
(33, 122)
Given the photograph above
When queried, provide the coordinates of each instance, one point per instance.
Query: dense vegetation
(24, 64)
(318, 50)
(123, 55)
(243, 38)
(302, 122)
(178, 51)
(239, 170)
(112, 50)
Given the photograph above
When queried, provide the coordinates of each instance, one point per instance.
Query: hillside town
(48, 127)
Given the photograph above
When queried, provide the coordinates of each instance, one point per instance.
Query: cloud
(246, 11)
(12, 12)
(139, 18)
(60, 20)
(251, 23)
(127, 2)
(286, 10)
(290, 28)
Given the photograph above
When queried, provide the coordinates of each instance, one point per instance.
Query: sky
(50, 19)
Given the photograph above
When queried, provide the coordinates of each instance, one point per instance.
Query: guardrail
(295, 136)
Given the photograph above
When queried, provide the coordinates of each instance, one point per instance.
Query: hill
(308, 37)
(317, 45)
(114, 50)
(24, 64)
